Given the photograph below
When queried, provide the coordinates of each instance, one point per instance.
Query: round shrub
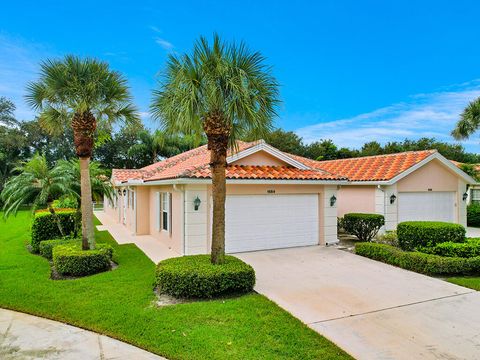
(363, 226)
(196, 277)
(46, 246)
(473, 215)
(416, 234)
(44, 226)
(71, 260)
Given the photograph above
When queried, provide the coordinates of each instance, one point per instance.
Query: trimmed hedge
(473, 215)
(46, 246)
(71, 260)
(196, 277)
(363, 226)
(419, 262)
(44, 226)
(415, 234)
(468, 249)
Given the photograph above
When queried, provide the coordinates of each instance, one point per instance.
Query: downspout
(379, 187)
(182, 202)
(135, 212)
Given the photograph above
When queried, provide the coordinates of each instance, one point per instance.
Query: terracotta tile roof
(459, 165)
(195, 164)
(370, 168)
(264, 172)
(127, 174)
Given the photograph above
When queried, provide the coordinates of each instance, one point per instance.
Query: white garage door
(261, 222)
(426, 206)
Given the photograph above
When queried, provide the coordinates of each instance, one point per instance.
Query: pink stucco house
(278, 200)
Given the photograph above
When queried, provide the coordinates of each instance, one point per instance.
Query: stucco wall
(110, 208)
(174, 239)
(353, 198)
(143, 210)
(431, 177)
(260, 158)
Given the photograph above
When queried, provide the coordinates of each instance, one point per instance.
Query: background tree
(224, 91)
(286, 141)
(81, 92)
(321, 150)
(36, 184)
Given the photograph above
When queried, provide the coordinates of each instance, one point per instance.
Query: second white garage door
(426, 206)
(261, 222)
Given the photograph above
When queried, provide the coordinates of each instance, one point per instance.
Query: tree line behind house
(135, 146)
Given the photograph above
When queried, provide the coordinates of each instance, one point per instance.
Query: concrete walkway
(473, 232)
(370, 309)
(152, 247)
(27, 337)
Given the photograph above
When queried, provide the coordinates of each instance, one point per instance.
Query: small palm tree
(100, 183)
(223, 91)
(469, 121)
(38, 185)
(149, 146)
(83, 93)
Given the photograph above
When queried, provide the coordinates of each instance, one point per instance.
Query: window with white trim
(476, 196)
(165, 211)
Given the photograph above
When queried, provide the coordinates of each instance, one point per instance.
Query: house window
(165, 211)
(476, 196)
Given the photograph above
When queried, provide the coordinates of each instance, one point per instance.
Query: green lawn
(467, 281)
(119, 304)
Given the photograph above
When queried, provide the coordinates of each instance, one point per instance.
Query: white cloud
(166, 45)
(19, 61)
(424, 115)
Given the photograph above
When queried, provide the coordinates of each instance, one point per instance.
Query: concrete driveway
(370, 309)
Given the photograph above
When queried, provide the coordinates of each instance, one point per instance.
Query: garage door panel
(426, 206)
(260, 222)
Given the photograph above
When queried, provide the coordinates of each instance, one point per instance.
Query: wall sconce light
(124, 192)
(465, 196)
(392, 198)
(333, 200)
(196, 203)
(119, 192)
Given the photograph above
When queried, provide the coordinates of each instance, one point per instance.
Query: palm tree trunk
(57, 219)
(218, 161)
(218, 132)
(88, 234)
(84, 125)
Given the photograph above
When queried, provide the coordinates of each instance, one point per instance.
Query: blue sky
(352, 71)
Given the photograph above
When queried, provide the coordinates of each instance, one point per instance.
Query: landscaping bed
(431, 248)
(119, 304)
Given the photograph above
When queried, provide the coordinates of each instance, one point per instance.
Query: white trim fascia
(262, 146)
(245, 181)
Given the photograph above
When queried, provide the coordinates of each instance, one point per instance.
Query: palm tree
(152, 147)
(149, 147)
(469, 121)
(83, 93)
(99, 181)
(36, 184)
(224, 91)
